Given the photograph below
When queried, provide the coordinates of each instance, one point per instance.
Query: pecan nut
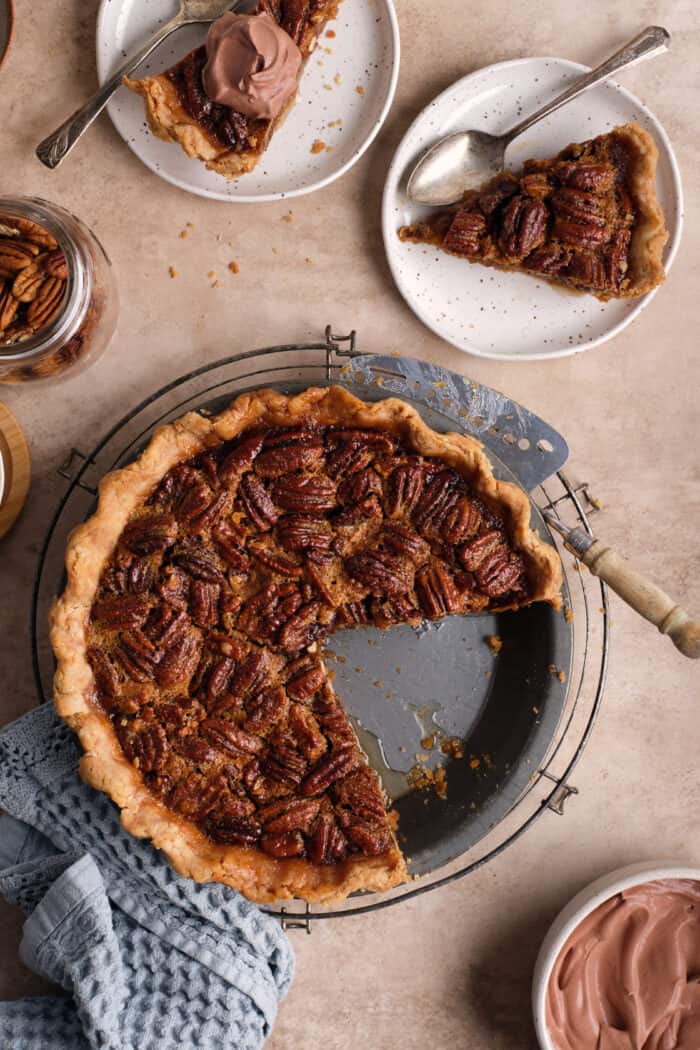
(305, 493)
(523, 226)
(46, 302)
(465, 233)
(257, 503)
(381, 572)
(331, 768)
(150, 533)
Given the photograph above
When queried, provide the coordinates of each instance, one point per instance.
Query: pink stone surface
(451, 969)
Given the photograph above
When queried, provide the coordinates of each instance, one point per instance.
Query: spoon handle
(653, 40)
(58, 145)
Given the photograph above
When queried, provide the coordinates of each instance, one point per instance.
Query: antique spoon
(465, 160)
(58, 145)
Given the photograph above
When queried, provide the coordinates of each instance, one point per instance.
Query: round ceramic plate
(6, 21)
(503, 315)
(345, 94)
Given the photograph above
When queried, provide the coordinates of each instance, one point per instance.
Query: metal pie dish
(513, 709)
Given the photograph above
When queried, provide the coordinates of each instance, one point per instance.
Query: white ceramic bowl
(577, 910)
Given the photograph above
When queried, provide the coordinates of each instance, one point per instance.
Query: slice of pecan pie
(199, 596)
(589, 219)
(229, 142)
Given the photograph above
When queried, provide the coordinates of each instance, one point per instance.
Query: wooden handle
(645, 597)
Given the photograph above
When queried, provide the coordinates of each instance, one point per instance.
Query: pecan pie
(230, 143)
(199, 596)
(589, 219)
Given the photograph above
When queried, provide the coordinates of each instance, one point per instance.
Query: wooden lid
(15, 472)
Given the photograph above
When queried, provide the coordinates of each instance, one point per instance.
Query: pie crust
(104, 765)
(589, 219)
(168, 117)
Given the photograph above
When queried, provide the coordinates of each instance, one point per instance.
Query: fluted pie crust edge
(260, 877)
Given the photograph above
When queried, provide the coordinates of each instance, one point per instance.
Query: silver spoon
(58, 145)
(465, 160)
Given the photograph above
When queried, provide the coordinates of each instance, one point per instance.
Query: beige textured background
(453, 968)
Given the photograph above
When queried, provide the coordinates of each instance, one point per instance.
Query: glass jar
(81, 281)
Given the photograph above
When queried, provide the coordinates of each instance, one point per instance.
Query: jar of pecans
(58, 296)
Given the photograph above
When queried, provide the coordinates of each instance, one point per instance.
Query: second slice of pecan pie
(588, 219)
(230, 143)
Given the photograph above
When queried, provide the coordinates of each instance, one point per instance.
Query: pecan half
(147, 746)
(228, 543)
(587, 268)
(15, 254)
(236, 462)
(305, 493)
(28, 282)
(306, 732)
(106, 677)
(308, 682)
(204, 602)
(286, 844)
(328, 843)
(331, 768)
(257, 503)
(55, 265)
(150, 533)
(439, 497)
(285, 765)
(233, 831)
(594, 178)
(382, 572)
(229, 738)
(523, 226)
(265, 710)
(301, 629)
(472, 554)
(359, 486)
(299, 533)
(400, 539)
(9, 305)
(46, 302)
(404, 488)
(180, 661)
(436, 590)
(370, 839)
(274, 562)
(360, 792)
(462, 520)
(123, 611)
(579, 235)
(199, 561)
(299, 814)
(304, 453)
(578, 207)
(351, 614)
(499, 573)
(219, 677)
(464, 235)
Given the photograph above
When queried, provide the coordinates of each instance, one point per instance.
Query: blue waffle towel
(150, 960)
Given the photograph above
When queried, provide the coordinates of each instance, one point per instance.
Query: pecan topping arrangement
(588, 219)
(179, 109)
(212, 604)
(33, 276)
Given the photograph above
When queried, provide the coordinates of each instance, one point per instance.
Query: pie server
(533, 451)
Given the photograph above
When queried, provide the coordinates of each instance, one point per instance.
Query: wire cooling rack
(519, 443)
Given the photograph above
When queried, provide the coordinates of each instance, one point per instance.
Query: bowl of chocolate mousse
(619, 968)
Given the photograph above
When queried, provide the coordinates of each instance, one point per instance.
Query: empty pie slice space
(189, 639)
(224, 139)
(588, 220)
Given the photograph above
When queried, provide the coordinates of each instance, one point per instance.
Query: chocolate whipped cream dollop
(252, 65)
(628, 978)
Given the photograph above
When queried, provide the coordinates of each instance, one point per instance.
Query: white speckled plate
(502, 315)
(364, 55)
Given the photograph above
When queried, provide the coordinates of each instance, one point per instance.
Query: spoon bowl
(465, 160)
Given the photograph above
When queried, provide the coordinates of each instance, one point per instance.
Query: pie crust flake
(178, 110)
(189, 636)
(588, 220)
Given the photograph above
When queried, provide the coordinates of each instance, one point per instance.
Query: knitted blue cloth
(151, 960)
